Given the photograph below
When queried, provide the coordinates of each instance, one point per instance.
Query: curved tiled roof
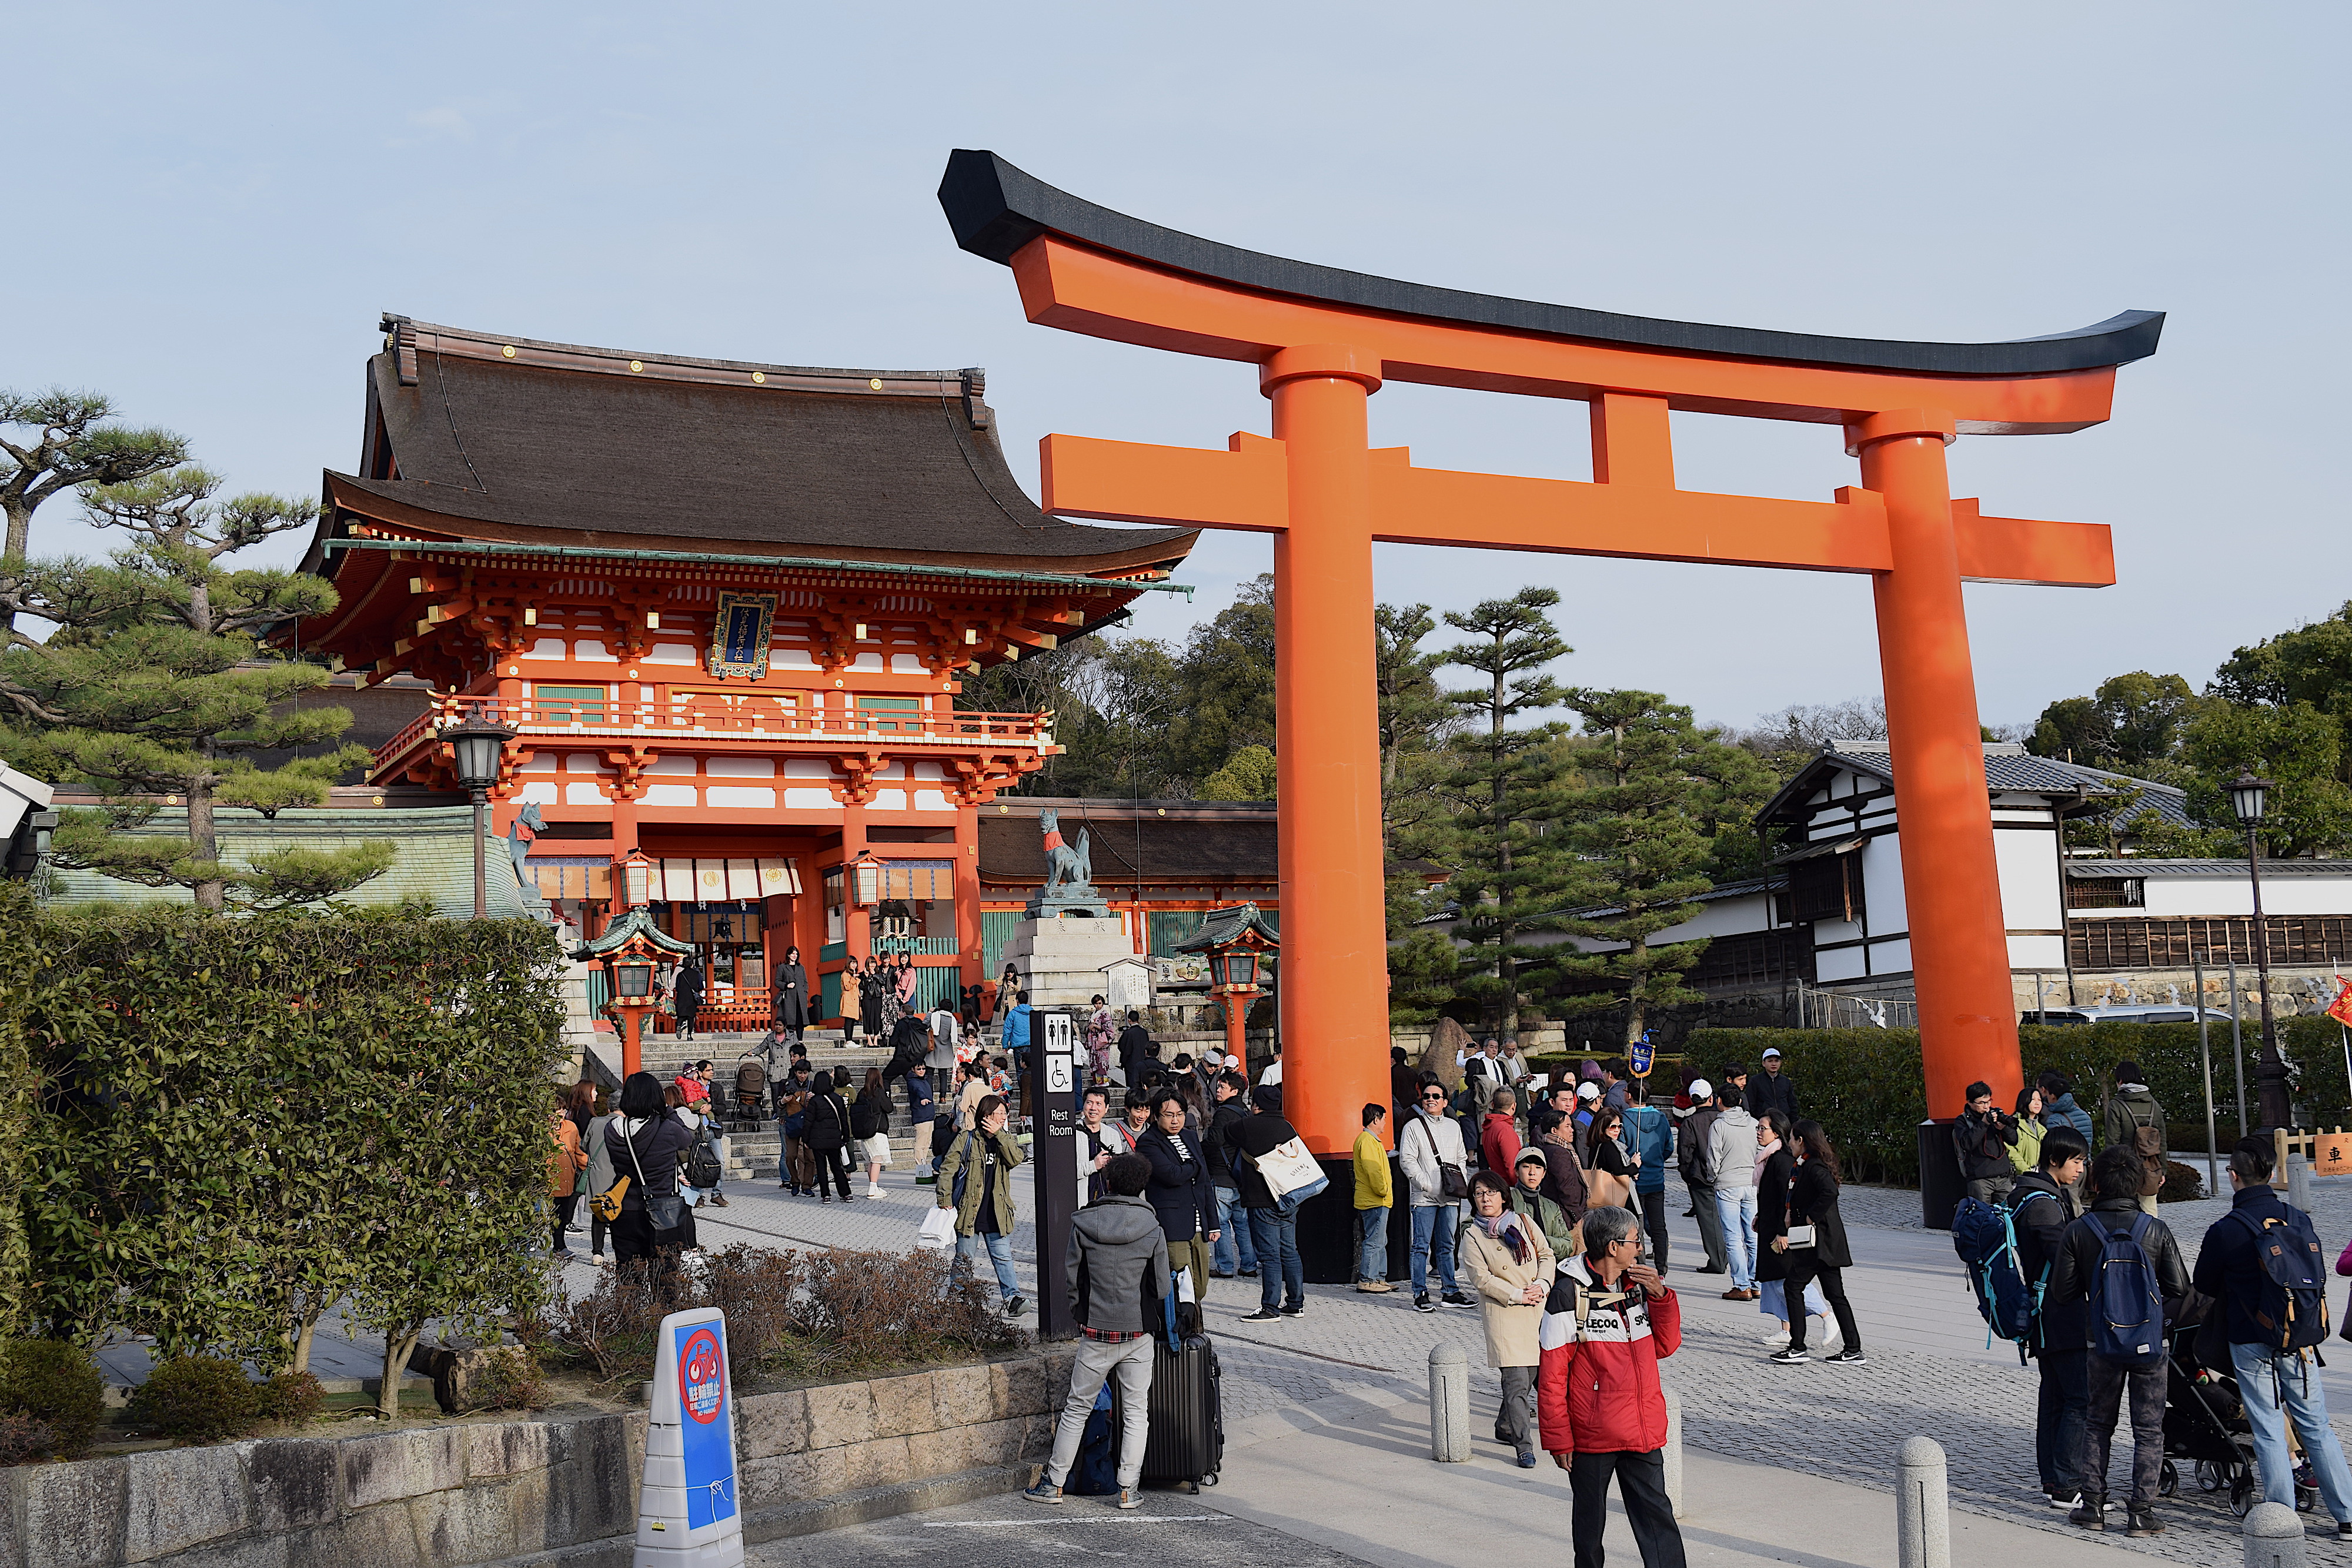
(485, 437)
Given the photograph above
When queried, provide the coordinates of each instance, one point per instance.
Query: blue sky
(212, 205)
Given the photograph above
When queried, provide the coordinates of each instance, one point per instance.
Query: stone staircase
(755, 1149)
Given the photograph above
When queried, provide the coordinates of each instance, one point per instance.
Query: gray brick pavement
(1839, 1422)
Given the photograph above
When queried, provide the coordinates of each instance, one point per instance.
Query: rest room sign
(690, 1512)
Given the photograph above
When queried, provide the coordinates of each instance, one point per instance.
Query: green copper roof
(434, 860)
(636, 922)
(1221, 927)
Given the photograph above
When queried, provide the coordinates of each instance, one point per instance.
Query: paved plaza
(1356, 1364)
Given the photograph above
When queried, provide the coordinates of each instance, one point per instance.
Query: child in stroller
(2205, 1423)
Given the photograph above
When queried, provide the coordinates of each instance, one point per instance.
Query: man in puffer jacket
(1118, 1265)
(1606, 1325)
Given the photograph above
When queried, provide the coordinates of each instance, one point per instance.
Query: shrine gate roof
(995, 209)
(476, 436)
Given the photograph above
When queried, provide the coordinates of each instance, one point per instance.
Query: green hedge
(1864, 1085)
(243, 1119)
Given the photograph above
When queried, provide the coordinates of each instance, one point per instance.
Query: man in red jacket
(1607, 1323)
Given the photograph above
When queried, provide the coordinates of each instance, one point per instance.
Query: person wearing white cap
(1696, 1160)
(1588, 1101)
(1775, 1091)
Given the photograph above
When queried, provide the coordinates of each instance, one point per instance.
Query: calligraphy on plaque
(739, 638)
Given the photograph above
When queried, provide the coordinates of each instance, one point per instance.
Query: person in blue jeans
(1282, 1283)
(1429, 1146)
(1732, 1148)
(2277, 1386)
(1233, 1242)
(1374, 1194)
(981, 1163)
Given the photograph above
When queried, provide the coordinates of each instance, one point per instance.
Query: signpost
(689, 1511)
(1052, 1067)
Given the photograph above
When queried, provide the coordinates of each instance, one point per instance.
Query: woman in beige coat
(1507, 1262)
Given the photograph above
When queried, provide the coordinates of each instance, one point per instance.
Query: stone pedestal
(1061, 956)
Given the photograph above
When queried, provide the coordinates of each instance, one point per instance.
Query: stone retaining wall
(560, 1488)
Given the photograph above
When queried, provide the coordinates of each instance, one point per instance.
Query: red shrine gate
(1324, 341)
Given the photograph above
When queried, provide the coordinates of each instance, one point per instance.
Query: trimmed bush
(22, 1438)
(197, 1399)
(294, 1397)
(247, 1119)
(509, 1380)
(55, 1385)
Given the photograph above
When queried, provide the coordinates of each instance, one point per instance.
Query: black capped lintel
(995, 209)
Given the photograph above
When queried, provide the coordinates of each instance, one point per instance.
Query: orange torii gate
(1323, 339)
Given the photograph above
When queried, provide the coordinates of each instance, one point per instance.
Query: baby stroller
(751, 1092)
(2205, 1423)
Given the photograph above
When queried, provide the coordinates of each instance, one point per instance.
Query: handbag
(667, 1212)
(1799, 1236)
(1451, 1185)
(607, 1203)
(937, 1233)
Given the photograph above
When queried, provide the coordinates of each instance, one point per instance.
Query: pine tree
(1417, 719)
(1511, 875)
(1647, 795)
(157, 683)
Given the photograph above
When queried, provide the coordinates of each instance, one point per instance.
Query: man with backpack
(1118, 1265)
(2133, 1120)
(2127, 1266)
(2262, 1261)
(1697, 1162)
(2041, 1207)
(1649, 1135)
(1982, 1138)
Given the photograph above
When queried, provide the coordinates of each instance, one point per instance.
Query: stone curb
(786, 1520)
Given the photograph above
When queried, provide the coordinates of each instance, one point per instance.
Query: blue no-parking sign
(689, 1512)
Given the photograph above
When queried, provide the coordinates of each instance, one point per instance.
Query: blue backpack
(1985, 1238)
(1094, 1473)
(2128, 1312)
(2294, 1309)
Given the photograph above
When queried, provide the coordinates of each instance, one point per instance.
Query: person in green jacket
(1374, 1196)
(2026, 1153)
(1528, 1198)
(976, 1181)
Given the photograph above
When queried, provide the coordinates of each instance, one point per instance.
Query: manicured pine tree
(157, 683)
(1646, 795)
(1512, 875)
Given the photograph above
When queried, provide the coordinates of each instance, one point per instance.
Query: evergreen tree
(1649, 795)
(157, 683)
(1511, 877)
(1248, 774)
(1416, 720)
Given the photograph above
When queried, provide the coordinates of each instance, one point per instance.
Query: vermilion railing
(746, 718)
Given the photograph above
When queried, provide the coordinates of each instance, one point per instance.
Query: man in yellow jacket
(1374, 1196)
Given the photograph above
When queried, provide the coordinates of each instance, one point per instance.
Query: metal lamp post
(478, 746)
(2249, 797)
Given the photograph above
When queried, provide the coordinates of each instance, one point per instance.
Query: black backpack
(2294, 1309)
(825, 1128)
(864, 1117)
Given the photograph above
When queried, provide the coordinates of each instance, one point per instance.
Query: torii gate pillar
(1324, 341)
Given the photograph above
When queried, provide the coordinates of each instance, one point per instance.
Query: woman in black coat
(1778, 1167)
(790, 985)
(1180, 1192)
(1814, 1200)
(826, 1130)
(870, 987)
(685, 996)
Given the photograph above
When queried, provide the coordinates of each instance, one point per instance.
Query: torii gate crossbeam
(1325, 339)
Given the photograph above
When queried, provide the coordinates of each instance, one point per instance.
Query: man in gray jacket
(1118, 1270)
(1731, 1150)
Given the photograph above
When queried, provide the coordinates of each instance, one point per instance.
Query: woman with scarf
(1776, 1165)
(1508, 1265)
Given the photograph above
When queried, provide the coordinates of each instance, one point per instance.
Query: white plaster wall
(739, 795)
(2214, 896)
(2028, 863)
(741, 768)
(672, 795)
(1882, 883)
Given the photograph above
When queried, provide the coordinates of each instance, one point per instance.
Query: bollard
(2298, 1182)
(2273, 1537)
(1449, 1405)
(1923, 1510)
(1674, 1454)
